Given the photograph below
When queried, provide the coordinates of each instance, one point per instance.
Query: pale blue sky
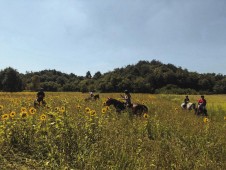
(76, 36)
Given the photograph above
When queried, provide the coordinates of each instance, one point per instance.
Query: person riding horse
(41, 96)
(186, 101)
(202, 105)
(137, 109)
(92, 97)
(91, 94)
(127, 98)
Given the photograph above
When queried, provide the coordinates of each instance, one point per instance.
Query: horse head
(117, 104)
(109, 101)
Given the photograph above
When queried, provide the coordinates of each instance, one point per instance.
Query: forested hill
(143, 77)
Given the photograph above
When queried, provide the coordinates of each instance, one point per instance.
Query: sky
(76, 36)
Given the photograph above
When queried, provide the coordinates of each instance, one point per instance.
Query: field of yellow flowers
(69, 133)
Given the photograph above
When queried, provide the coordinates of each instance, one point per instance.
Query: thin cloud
(77, 35)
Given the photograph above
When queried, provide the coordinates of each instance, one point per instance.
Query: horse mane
(115, 100)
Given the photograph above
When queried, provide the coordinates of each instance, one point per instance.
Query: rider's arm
(122, 96)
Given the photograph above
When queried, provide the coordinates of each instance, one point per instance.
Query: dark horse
(38, 102)
(95, 97)
(137, 109)
(201, 110)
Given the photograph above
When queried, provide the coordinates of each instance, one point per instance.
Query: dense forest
(143, 77)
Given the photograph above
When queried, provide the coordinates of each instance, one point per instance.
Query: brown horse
(95, 97)
(39, 102)
(137, 109)
(201, 111)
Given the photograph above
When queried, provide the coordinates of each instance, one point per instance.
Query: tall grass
(72, 134)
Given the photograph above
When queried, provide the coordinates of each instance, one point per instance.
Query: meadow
(69, 133)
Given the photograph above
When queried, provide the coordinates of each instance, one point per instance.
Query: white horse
(189, 106)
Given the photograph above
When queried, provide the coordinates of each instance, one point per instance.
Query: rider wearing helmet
(186, 101)
(127, 98)
(40, 95)
(91, 94)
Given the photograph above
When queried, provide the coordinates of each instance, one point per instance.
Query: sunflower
(32, 110)
(205, 120)
(48, 107)
(104, 110)
(5, 116)
(78, 106)
(87, 110)
(24, 114)
(62, 109)
(57, 109)
(43, 117)
(145, 115)
(1, 107)
(92, 113)
(12, 114)
(23, 109)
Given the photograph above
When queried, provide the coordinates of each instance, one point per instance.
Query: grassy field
(71, 134)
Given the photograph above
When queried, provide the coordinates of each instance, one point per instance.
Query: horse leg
(196, 111)
(205, 112)
(36, 103)
(43, 102)
(145, 109)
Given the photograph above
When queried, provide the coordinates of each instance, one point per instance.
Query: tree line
(143, 77)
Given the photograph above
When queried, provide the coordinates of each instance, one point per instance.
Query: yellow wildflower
(145, 115)
(104, 110)
(57, 109)
(79, 107)
(205, 120)
(12, 114)
(23, 109)
(62, 109)
(43, 117)
(24, 114)
(92, 113)
(5, 117)
(32, 110)
(87, 110)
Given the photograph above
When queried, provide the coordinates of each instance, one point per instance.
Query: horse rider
(186, 101)
(127, 98)
(91, 94)
(41, 96)
(202, 103)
